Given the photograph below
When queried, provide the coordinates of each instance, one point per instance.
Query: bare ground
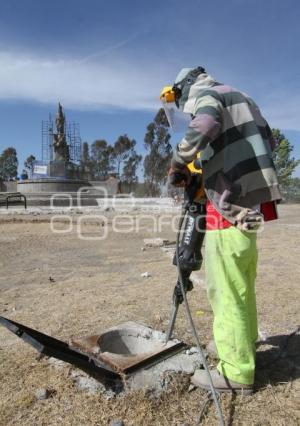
(97, 284)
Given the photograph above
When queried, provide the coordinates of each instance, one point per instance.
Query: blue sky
(106, 61)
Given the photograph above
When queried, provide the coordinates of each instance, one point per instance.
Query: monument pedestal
(57, 169)
(63, 170)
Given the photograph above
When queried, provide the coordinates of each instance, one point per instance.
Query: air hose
(214, 393)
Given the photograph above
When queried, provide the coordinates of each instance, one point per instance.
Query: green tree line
(285, 165)
(8, 164)
(101, 159)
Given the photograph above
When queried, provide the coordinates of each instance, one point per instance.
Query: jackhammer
(188, 258)
(191, 240)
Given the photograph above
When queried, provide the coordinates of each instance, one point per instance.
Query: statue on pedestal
(61, 148)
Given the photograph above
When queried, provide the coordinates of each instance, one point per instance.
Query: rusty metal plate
(128, 347)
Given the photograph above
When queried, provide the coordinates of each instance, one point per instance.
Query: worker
(235, 142)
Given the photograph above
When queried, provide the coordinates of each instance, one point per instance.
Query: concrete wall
(109, 187)
(8, 186)
(50, 186)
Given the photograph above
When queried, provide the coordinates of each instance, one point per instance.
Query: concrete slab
(129, 346)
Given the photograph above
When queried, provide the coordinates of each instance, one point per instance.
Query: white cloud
(80, 84)
(101, 81)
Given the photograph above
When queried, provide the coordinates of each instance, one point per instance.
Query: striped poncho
(236, 147)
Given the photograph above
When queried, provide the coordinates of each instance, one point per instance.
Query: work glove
(249, 220)
(180, 177)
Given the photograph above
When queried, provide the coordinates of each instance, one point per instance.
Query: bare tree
(156, 162)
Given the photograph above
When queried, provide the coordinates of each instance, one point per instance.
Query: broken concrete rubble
(155, 379)
(42, 394)
(146, 275)
(85, 383)
(117, 423)
(157, 242)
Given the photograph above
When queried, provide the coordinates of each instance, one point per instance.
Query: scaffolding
(47, 140)
(73, 139)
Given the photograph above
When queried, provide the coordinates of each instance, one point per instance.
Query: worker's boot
(221, 383)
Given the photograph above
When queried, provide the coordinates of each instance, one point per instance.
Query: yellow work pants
(230, 263)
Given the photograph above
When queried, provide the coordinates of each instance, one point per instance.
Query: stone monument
(61, 166)
(56, 179)
(59, 169)
(61, 149)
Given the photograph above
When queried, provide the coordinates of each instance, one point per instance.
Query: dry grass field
(97, 283)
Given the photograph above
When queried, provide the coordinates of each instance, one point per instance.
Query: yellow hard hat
(167, 94)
